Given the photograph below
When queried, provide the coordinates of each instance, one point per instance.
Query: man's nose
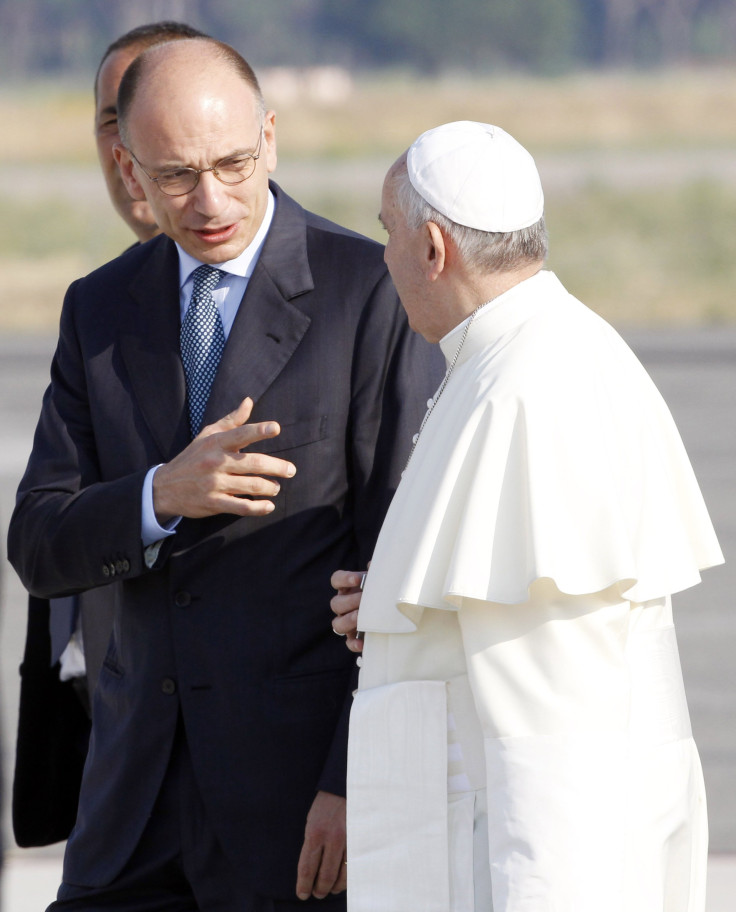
(209, 194)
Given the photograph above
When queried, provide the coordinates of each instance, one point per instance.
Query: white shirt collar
(510, 307)
(244, 264)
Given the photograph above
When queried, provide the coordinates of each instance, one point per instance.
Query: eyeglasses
(231, 170)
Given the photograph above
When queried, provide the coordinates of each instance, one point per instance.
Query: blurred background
(629, 108)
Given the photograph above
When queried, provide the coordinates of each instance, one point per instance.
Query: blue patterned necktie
(202, 341)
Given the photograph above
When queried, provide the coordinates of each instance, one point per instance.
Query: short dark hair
(145, 36)
(135, 72)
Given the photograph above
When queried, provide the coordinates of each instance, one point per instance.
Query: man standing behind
(216, 764)
(520, 739)
(115, 61)
(67, 638)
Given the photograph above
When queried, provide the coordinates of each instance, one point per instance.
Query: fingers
(236, 418)
(321, 868)
(237, 505)
(330, 877)
(320, 872)
(346, 622)
(237, 480)
(347, 626)
(238, 438)
(354, 643)
(345, 605)
(239, 464)
(212, 475)
(236, 433)
(204, 480)
(341, 884)
(346, 602)
(220, 452)
(346, 579)
(307, 868)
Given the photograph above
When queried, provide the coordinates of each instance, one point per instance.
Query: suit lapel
(268, 326)
(150, 348)
(265, 334)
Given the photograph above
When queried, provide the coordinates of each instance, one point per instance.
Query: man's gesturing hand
(212, 476)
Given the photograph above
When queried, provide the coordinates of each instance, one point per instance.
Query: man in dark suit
(67, 638)
(216, 767)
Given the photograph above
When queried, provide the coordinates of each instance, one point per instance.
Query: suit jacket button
(168, 686)
(118, 566)
(182, 599)
(105, 570)
(126, 566)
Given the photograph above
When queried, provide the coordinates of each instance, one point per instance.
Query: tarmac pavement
(695, 370)
(30, 882)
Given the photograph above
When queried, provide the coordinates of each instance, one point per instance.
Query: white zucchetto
(477, 175)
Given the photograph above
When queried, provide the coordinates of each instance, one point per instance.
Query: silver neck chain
(445, 379)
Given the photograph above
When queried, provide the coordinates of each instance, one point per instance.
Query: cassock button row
(168, 686)
(182, 599)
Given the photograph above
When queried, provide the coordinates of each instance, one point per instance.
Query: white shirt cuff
(152, 532)
(72, 660)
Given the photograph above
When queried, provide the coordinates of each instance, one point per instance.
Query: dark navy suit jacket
(231, 627)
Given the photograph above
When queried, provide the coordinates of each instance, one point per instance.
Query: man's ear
(127, 172)
(269, 139)
(436, 251)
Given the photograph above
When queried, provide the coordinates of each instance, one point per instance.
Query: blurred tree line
(67, 37)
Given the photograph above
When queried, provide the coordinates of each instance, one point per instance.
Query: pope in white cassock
(520, 739)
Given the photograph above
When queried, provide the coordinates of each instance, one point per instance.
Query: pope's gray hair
(483, 251)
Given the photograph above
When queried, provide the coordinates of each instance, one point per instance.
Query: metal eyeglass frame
(253, 156)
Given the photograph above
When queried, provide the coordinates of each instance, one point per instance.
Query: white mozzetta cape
(520, 741)
(550, 454)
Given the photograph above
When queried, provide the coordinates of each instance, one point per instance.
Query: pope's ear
(127, 171)
(436, 251)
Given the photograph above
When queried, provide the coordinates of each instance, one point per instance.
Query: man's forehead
(206, 122)
(188, 142)
(191, 96)
(188, 62)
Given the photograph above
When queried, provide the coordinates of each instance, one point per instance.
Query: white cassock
(520, 740)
